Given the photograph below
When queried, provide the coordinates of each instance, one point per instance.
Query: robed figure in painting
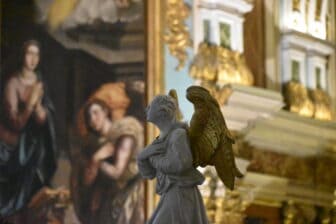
(27, 135)
(106, 186)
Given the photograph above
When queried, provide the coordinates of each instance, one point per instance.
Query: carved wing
(202, 145)
(223, 160)
(210, 139)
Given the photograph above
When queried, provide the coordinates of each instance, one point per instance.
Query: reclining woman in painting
(106, 186)
(27, 135)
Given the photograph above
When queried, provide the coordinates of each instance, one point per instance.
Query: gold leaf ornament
(322, 102)
(220, 65)
(177, 34)
(297, 99)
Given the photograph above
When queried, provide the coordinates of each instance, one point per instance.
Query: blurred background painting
(271, 65)
(91, 60)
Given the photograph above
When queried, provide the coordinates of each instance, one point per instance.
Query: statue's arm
(145, 168)
(178, 157)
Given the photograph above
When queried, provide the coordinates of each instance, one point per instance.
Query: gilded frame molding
(154, 17)
(160, 31)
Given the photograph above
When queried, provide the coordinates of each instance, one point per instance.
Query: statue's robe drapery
(177, 179)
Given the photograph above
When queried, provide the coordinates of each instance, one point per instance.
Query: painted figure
(106, 186)
(27, 134)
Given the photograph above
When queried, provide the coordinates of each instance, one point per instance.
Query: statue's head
(162, 108)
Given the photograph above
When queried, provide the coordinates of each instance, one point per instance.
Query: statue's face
(160, 110)
(32, 57)
(152, 112)
(98, 117)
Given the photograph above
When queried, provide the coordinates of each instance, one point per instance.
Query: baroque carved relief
(177, 35)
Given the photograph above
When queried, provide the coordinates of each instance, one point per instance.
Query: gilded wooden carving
(215, 66)
(297, 99)
(229, 208)
(296, 5)
(308, 170)
(220, 65)
(322, 102)
(177, 35)
(314, 103)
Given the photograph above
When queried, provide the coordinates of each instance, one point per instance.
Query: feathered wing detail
(225, 165)
(210, 140)
(197, 126)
